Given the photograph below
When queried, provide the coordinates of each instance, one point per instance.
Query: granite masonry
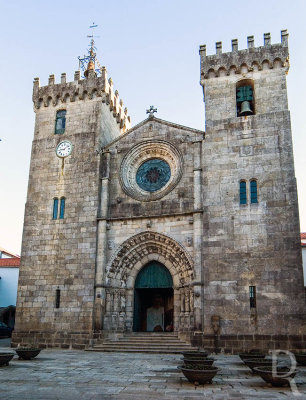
(218, 209)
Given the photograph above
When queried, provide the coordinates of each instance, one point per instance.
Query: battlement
(80, 89)
(253, 58)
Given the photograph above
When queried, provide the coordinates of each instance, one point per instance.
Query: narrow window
(243, 195)
(60, 122)
(245, 98)
(252, 291)
(253, 191)
(57, 298)
(55, 208)
(62, 208)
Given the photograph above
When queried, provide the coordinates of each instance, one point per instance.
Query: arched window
(253, 191)
(62, 208)
(243, 194)
(245, 98)
(55, 208)
(60, 122)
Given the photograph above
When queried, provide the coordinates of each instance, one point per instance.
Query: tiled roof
(10, 262)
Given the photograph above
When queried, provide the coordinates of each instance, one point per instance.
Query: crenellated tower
(58, 269)
(252, 256)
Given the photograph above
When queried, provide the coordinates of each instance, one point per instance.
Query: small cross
(93, 26)
(151, 111)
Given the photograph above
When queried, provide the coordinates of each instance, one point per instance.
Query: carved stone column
(108, 310)
(187, 326)
(182, 311)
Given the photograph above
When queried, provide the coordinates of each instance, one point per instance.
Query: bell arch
(123, 268)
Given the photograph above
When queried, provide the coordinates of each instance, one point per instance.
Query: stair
(144, 342)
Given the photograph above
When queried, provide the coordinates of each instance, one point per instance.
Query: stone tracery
(143, 152)
(138, 248)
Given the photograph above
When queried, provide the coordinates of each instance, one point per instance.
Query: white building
(9, 272)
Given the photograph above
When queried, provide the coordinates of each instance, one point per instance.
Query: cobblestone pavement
(68, 375)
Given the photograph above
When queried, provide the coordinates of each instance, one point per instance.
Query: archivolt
(135, 252)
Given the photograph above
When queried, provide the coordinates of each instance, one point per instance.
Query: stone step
(144, 350)
(161, 349)
(139, 340)
(143, 342)
(151, 334)
(137, 345)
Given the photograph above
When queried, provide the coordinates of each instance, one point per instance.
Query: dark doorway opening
(144, 302)
(153, 299)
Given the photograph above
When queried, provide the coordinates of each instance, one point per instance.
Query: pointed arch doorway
(153, 299)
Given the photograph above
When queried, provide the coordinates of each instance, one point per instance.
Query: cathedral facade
(161, 227)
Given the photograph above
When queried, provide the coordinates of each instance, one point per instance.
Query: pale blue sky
(150, 49)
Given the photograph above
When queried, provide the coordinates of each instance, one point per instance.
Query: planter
(198, 361)
(246, 356)
(199, 374)
(195, 354)
(27, 353)
(300, 358)
(266, 374)
(5, 358)
(257, 362)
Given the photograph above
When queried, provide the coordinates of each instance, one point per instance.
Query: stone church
(161, 227)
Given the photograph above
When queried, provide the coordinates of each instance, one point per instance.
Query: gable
(151, 123)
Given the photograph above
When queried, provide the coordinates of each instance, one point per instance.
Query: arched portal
(122, 272)
(153, 299)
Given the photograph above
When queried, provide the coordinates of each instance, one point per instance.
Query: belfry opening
(153, 299)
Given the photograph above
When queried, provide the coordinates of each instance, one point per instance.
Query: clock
(63, 149)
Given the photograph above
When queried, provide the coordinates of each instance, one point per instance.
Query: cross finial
(89, 62)
(151, 111)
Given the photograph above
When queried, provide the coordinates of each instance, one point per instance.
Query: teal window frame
(60, 122)
(55, 208)
(62, 208)
(243, 192)
(252, 295)
(253, 191)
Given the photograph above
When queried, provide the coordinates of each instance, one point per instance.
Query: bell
(245, 108)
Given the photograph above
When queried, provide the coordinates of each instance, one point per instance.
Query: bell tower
(252, 258)
(58, 269)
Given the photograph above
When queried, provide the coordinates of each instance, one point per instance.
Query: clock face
(63, 149)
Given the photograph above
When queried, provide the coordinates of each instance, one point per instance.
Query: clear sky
(150, 49)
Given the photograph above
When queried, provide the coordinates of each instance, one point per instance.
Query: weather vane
(151, 111)
(90, 61)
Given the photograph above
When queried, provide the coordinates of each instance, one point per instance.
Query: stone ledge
(234, 344)
(46, 340)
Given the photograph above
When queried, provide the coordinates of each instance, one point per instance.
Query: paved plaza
(74, 375)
